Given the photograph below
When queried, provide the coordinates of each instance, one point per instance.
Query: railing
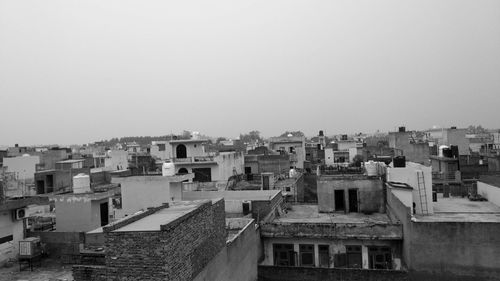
(194, 159)
(446, 176)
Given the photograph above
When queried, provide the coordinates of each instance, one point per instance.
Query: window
(306, 254)
(354, 259)
(380, 257)
(287, 189)
(292, 149)
(324, 255)
(161, 147)
(283, 254)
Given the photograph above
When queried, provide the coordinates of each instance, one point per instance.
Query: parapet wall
(284, 273)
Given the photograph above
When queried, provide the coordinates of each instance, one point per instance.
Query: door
(104, 213)
(353, 200)
(265, 182)
(339, 200)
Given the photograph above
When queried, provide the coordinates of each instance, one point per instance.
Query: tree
(476, 130)
(251, 137)
(294, 133)
(357, 160)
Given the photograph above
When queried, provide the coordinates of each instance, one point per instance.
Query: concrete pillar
(364, 256)
(316, 255)
(296, 249)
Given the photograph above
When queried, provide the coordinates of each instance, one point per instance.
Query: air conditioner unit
(20, 214)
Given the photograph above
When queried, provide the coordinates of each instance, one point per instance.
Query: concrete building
(189, 156)
(419, 178)
(448, 137)
(82, 212)
(258, 203)
(141, 192)
(458, 241)
(304, 237)
(160, 150)
(13, 213)
(404, 144)
(178, 241)
(23, 166)
(350, 194)
(258, 164)
(488, 187)
(293, 146)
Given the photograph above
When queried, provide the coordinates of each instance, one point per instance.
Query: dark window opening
(202, 174)
(50, 180)
(283, 255)
(183, 171)
(7, 238)
(353, 200)
(339, 200)
(306, 254)
(354, 259)
(380, 258)
(104, 213)
(324, 255)
(181, 151)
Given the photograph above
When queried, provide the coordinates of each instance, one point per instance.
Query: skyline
(78, 72)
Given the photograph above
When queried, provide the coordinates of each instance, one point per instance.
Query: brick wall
(84, 273)
(61, 245)
(262, 209)
(179, 251)
(281, 273)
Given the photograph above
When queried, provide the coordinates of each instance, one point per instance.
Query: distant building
(293, 146)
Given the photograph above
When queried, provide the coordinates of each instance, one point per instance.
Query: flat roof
(189, 141)
(164, 216)
(310, 214)
(71, 161)
(457, 209)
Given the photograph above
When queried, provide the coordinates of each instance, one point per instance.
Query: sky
(82, 71)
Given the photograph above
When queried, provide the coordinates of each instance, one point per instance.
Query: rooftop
(310, 214)
(456, 209)
(189, 141)
(154, 221)
(71, 161)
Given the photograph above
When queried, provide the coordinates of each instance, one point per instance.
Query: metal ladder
(422, 192)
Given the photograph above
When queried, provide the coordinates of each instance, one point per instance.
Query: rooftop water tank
(168, 169)
(292, 173)
(81, 183)
(371, 168)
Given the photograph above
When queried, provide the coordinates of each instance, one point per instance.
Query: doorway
(339, 200)
(353, 200)
(202, 174)
(104, 213)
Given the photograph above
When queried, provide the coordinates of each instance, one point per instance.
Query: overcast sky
(80, 71)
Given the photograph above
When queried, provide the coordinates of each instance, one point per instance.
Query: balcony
(195, 159)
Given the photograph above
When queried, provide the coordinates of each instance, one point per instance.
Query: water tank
(371, 168)
(292, 173)
(402, 129)
(195, 135)
(399, 162)
(168, 169)
(81, 183)
(440, 150)
(321, 133)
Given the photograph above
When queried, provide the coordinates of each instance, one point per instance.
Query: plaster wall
(10, 249)
(141, 192)
(408, 175)
(237, 260)
(23, 166)
(490, 192)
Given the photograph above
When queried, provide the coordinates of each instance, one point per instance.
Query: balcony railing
(194, 159)
(446, 176)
